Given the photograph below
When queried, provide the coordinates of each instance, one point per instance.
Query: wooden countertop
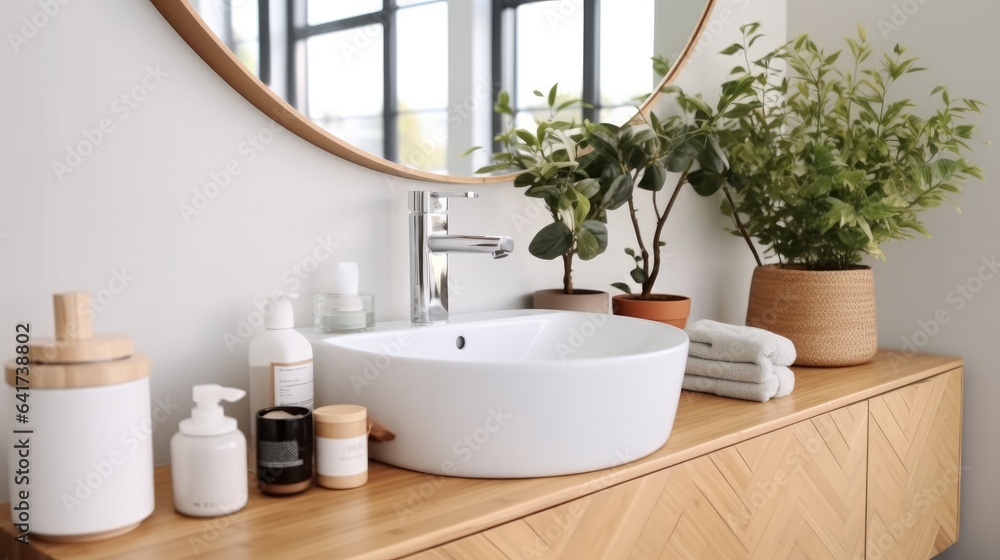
(401, 512)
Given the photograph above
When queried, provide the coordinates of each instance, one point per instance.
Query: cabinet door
(798, 492)
(914, 467)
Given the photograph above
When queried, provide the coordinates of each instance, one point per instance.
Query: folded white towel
(731, 371)
(778, 384)
(759, 392)
(786, 381)
(713, 340)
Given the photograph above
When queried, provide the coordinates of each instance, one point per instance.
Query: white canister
(341, 446)
(85, 454)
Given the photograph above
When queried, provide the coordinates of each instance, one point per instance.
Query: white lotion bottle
(208, 457)
(281, 367)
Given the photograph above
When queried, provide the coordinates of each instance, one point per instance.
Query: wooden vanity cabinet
(914, 468)
(858, 462)
(876, 479)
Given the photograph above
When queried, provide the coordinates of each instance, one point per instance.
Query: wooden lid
(68, 376)
(99, 348)
(340, 414)
(76, 357)
(74, 341)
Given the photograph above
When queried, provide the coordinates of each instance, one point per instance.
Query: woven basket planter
(828, 314)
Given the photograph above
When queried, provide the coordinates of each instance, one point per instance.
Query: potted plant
(642, 154)
(559, 169)
(826, 165)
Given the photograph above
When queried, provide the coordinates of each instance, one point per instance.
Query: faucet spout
(497, 245)
(430, 244)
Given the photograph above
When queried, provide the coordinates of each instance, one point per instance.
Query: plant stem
(763, 98)
(852, 94)
(568, 273)
(638, 237)
(656, 205)
(647, 286)
(739, 225)
(881, 110)
(820, 99)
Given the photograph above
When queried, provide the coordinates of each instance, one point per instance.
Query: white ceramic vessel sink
(510, 394)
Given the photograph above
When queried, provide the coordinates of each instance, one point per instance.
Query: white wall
(191, 281)
(921, 276)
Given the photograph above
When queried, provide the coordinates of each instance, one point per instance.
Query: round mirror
(406, 87)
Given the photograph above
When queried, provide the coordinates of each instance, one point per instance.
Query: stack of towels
(738, 362)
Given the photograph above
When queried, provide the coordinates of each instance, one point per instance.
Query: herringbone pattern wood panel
(914, 469)
(798, 492)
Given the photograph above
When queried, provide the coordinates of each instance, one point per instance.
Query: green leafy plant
(559, 168)
(826, 164)
(644, 153)
(582, 171)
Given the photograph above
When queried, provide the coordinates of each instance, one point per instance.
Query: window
(376, 75)
(372, 72)
(592, 62)
(241, 24)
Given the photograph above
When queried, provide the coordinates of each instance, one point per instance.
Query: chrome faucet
(430, 244)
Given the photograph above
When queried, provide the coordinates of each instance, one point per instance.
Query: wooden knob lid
(74, 341)
(74, 316)
(69, 376)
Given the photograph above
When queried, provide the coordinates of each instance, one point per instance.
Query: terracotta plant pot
(589, 301)
(828, 314)
(668, 309)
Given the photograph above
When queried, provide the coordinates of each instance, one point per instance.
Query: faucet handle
(433, 201)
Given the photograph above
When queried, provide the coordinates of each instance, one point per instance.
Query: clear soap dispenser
(208, 457)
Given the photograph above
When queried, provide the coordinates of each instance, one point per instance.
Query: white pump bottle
(208, 457)
(281, 367)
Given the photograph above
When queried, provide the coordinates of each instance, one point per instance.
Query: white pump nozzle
(346, 281)
(282, 316)
(346, 284)
(207, 418)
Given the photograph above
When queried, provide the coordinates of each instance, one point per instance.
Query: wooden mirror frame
(183, 17)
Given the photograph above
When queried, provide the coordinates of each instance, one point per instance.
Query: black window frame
(263, 37)
(299, 30)
(591, 93)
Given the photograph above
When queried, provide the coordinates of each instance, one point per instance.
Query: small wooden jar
(87, 437)
(341, 446)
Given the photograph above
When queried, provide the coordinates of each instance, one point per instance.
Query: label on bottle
(293, 383)
(342, 456)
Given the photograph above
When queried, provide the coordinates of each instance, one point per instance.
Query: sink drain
(460, 342)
